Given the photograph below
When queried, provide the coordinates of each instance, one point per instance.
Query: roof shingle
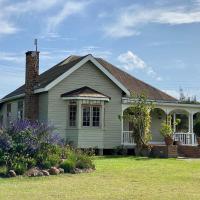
(130, 82)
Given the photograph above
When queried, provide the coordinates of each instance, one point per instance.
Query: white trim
(86, 98)
(77, 66)
(12, 98)
(160, 103)
(154, 142)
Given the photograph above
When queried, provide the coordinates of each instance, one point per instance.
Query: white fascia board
(165, 103)
(12, 98)
(78, 65)
(109, 75)
(85, 98)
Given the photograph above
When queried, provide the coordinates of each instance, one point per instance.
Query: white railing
(185, 138)
(127, 138)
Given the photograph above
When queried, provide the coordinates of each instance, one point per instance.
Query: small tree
(139, 115)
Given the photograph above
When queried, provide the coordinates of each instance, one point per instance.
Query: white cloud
(10, 11)
(7, 27)
(129, 20)
(69, 8)
(131, 61)
(12, 57)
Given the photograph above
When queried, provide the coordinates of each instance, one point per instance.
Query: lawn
(115, 178)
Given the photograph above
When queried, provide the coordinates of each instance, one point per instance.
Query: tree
(138, 114)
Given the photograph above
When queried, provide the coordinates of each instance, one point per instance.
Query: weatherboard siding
(43, 107)
(109, 135)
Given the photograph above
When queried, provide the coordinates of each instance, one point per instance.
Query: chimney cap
(31, 52)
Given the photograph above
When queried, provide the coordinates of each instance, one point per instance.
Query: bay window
(86, 115)
(72, 114)
(90, 116)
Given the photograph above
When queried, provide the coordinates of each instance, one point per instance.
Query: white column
(191, 126)
(191, 122)
(122, 127)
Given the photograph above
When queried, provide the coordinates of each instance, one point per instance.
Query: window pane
(20, 110)
(96, 116)
(86, 116)
(72, 115)
(8, 110)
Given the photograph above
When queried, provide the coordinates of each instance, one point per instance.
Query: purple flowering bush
(30, 143)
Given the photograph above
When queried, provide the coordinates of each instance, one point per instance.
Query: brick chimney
(31, 82)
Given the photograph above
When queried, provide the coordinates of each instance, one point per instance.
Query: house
(83, 97)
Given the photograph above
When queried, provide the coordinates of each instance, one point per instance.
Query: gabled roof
(85, 92)
(125, 81)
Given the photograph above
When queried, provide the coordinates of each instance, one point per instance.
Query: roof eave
(12, 98)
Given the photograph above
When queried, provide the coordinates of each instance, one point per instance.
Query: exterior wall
(14, 111)
(43, 107)
(156, 125)
(109, 135)
(3, 113)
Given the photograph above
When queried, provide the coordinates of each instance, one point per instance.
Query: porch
(183, 132)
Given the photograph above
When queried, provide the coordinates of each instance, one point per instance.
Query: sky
(157, 41)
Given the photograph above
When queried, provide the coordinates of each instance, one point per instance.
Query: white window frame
(91, 115)
(72, 104)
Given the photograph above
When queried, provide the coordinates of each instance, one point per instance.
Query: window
(20, 110)
(95, 116)
(8, 110)
(91, 116)
(8, 113)
(86, 116)
(72, 114)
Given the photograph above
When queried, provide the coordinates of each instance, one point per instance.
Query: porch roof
(85, 92)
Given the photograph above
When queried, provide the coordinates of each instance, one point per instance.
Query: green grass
(116, 178)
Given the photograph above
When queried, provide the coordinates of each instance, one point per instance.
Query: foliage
(68, 165)
(166, 130)
(197, 128)
(83, 161)
(138, 114)
(29, 143)
(3, 171)
(77, 159)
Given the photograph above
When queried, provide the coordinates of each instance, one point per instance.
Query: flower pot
(198, 140)
(168, 140)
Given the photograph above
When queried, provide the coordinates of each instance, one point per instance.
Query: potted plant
(197, 131)
(166, 132)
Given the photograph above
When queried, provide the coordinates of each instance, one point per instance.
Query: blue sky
(157, 41)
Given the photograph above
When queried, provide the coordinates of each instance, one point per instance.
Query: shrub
(27, 143)
(3, 171)
(68, 165)
(20, 168)
(83, 160)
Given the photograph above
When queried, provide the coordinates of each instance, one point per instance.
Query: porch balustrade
(127, 138)
(183, 138)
